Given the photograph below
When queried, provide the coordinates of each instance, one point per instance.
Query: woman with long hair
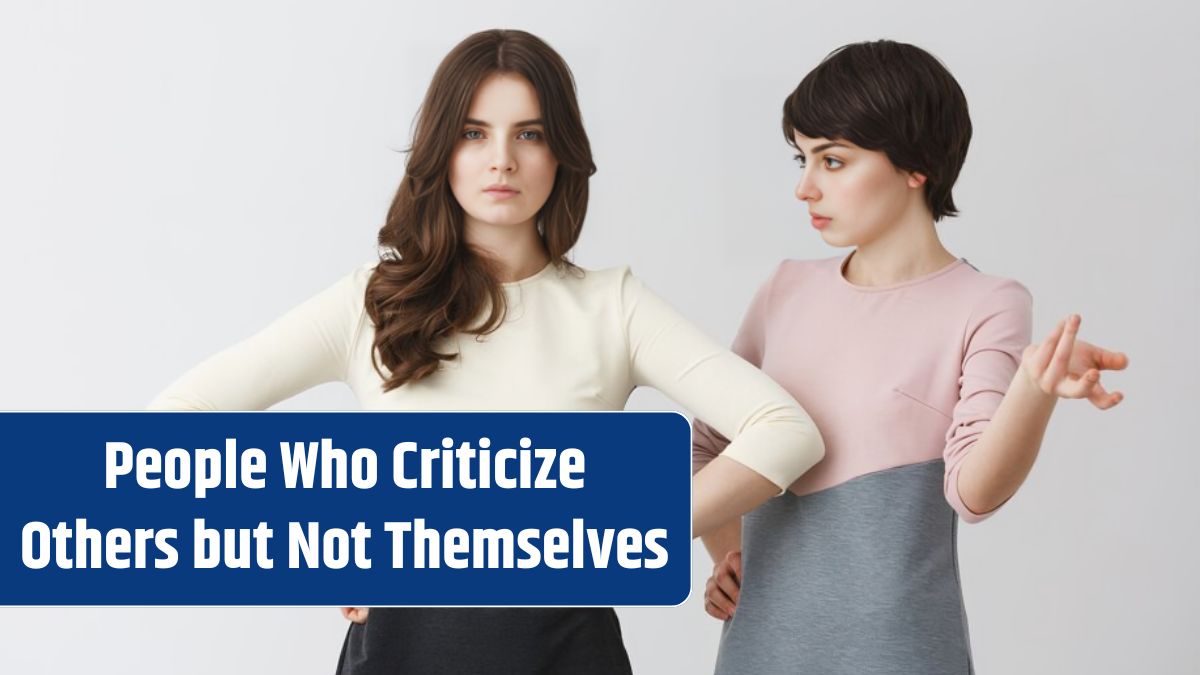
(916, 366)
(474, 306)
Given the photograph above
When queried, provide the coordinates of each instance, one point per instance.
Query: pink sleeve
(749, 343)
(997, 332)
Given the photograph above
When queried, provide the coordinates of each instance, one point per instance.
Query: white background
(173, 176)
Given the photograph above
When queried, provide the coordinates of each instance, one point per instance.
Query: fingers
(728, 586)
(1099, 357)
(716, 611)
(355, 614)
(1040, 358)
(724, 587)
(1104, 400)
(1050, 364)
(1061, 360)
(1107, 360)
(1081, 387)
(716, 603)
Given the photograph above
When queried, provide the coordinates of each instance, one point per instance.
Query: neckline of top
(540, 274)
(841, 274)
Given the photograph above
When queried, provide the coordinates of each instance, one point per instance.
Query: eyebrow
(826, 146)
(522, 123)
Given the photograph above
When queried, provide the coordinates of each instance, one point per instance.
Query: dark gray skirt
(485, 641)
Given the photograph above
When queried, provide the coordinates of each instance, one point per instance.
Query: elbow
(969, 517)
(965, 513)
(808, 451)
(168, 402)
(781, 447)
(812, 444)
(700, 460)
(818, 446)
(159, 405)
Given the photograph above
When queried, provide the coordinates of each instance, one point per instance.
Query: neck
(517, 251)
(909, 249)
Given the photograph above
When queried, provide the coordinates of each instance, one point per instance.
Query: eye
(472, 134)
(833, 163)
(530, 135)
(800, 160)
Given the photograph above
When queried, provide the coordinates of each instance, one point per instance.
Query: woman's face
(502, 170)
(853, 195)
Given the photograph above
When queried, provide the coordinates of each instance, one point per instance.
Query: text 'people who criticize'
(320, 464)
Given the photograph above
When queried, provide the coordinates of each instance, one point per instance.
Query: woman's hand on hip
(356, 614)
(723, 587)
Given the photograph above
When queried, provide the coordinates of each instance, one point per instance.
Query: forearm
(724, 490)
(722, 540)
(1001, 459)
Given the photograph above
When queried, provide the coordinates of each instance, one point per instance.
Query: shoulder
(349, 292)
(791, 274)
(361, 275)
(1000, 309)
(611, 289)
(791, 270)
(580, 292)
(583, 281)
(595, 278)
(344, 302)
(792, 266)
(989, 292)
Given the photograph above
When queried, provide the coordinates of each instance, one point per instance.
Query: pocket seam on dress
(921, 403)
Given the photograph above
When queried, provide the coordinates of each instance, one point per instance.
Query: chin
(837, 240)
(502, 219)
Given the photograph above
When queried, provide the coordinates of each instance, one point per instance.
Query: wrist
(1026, 387)
(1026, 378)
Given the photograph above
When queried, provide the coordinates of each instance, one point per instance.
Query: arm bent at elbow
(760, 463)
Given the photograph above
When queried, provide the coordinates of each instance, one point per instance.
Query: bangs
(829, 103)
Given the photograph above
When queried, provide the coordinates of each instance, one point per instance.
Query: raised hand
(721, 591)
(1066, 367)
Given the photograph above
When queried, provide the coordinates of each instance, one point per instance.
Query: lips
(501, 191)
(819, 222)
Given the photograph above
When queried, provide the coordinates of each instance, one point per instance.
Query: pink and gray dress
(854, 568)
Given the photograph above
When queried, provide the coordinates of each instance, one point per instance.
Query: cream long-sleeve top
(572, 339)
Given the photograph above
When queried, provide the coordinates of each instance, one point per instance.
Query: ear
(916, 180)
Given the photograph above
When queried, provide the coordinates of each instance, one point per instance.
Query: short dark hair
(892, 97)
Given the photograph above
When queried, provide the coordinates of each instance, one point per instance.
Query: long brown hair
(429, 284)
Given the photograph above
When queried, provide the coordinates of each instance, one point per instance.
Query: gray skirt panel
(861, 578)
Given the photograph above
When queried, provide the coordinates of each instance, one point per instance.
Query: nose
(503, 159)
(806, 189)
